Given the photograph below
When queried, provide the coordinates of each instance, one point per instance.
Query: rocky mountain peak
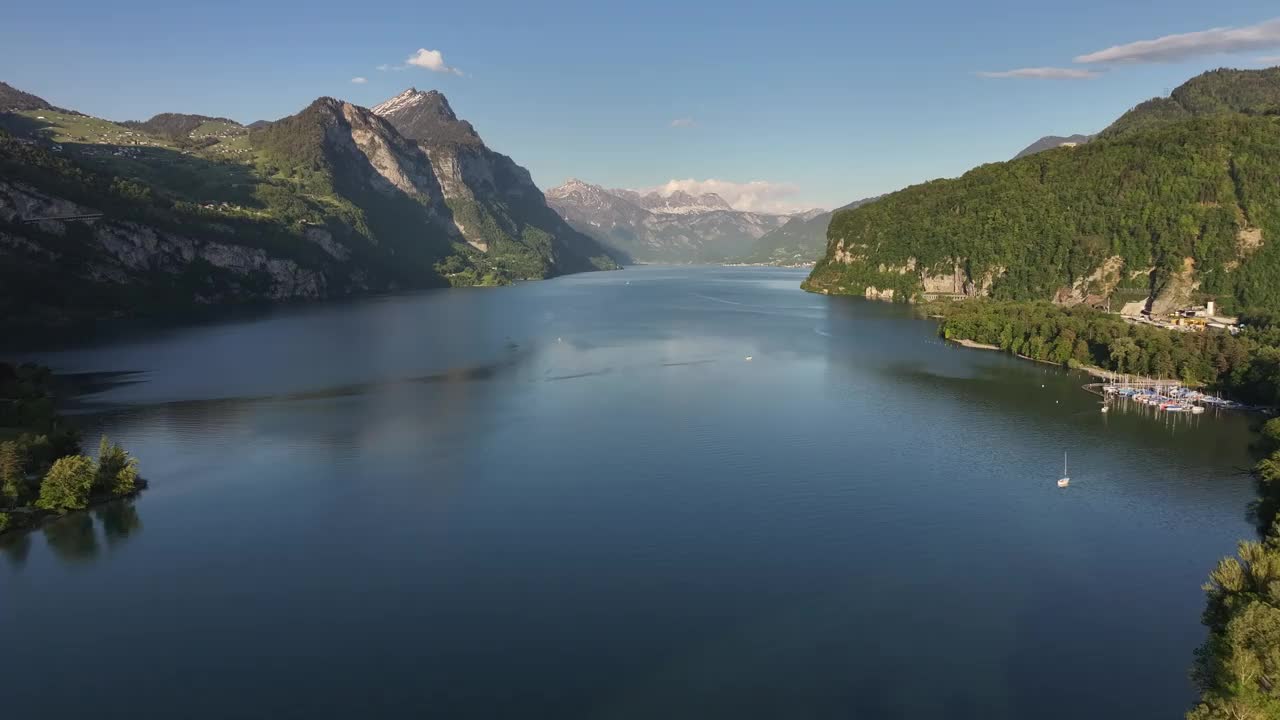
(574, 186)
(427, 117)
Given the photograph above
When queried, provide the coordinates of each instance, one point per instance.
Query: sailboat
(1064, 480)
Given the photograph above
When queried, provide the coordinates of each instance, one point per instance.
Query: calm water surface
(578, 499)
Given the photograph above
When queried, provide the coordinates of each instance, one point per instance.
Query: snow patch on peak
(411, 98)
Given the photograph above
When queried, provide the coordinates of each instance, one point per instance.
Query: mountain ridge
(329, 202)
(651, 227)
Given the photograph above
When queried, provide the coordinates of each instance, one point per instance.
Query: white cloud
(359, 80)
(1268, 60)
(1263, 36)
(432, 60)
(683, 122)
(1044, 73)
(755, 196)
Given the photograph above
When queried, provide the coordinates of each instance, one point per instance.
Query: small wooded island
(42, 470)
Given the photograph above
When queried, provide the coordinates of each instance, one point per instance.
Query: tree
(117, 471)
(1271, 433)
(13, 473)
(67, 484)
(1124, 353)
(1238, 667)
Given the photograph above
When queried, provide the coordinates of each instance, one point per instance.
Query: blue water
(578, 499)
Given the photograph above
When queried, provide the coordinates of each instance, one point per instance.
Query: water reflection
(119, 522)
(74, 538)
(16, 547)
(71, 538)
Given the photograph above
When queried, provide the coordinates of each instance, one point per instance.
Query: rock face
(494, 204)
(118, 257)
(653, 227)
(398, 166)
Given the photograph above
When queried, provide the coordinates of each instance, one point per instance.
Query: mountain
(1049, 142)
(652, 227)
(1162, 209)
(102, 218)
(493, 201)
(801, 241)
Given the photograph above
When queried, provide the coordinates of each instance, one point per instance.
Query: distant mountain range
(653, 227)
(1050, 142)
(183, 210)
(1174, 203)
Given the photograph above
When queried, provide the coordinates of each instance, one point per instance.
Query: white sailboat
(1064, 480)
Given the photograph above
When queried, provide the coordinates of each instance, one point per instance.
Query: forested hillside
(1151, 190)
(1166, 209)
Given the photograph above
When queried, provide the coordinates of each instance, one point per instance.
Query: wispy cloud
(1044, 73)
(754, 196)
(432, 60)
(359, 80)
(684, 122)
(1170, 48)
(1268, 60)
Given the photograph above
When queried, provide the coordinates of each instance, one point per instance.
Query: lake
(656, 493)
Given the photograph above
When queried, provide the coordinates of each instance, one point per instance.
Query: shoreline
(33, 517)
(1093, 370)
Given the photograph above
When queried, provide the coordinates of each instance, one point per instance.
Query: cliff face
(493, 201)
(52, 268)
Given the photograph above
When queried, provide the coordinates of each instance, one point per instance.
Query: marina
(1162, 395)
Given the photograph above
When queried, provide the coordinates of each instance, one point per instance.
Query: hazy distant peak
(1050, 142)
(677, 202)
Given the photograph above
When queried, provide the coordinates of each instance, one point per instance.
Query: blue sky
(823, 103)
